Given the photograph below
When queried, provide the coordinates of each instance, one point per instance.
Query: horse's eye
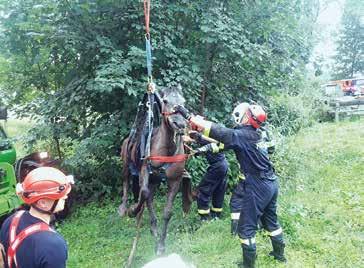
(165, 101)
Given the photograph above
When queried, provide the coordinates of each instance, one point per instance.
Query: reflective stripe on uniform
(203, 211)
(221, 146)
(276, 232)
(216, 209)
(215, 148)
(248, 241)
(207, 127)
(235, 216)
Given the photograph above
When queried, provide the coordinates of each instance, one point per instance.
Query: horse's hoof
(132, 213)
(122, 210)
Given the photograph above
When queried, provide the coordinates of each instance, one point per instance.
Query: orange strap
(16, 240)
(169, 159)
(147, 15)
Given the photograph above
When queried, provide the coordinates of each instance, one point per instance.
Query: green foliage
(319, 209)
(349, 59)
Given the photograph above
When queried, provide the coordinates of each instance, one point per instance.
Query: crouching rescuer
(259, 190)
(27, 239)
(213, 185)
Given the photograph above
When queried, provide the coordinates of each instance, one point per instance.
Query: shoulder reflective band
(235, 216)
(206, 128)
(248, 241)
(216, 209)
(14, 225)
(276, 232)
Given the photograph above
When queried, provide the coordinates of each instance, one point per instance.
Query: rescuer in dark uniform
(260, 187)
(213, 185)
(26, 238)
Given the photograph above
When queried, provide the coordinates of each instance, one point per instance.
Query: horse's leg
(173, 188)
(152, 214)
(144, 192)
(122, 207)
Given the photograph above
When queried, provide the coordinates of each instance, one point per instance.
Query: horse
(166, 140)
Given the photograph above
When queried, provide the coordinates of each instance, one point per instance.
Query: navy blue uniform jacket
(40, 250)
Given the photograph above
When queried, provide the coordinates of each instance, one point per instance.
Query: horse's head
(171, 97)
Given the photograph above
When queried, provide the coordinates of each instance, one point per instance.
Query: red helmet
(256, 115)
(44, 182)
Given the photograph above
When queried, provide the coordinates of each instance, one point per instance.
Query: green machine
(8, 198)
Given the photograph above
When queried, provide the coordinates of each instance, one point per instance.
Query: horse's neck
(164, 141)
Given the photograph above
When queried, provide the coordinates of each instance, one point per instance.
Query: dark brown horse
(166, 141)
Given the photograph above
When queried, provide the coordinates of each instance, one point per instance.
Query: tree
(349, 58)
(84, 61)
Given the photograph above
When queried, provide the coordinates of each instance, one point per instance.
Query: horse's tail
(125, 177)
(187, 196)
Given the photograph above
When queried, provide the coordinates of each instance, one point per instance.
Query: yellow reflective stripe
(203, 211)
(235, 216)
(248, 242)
(276, 232)
(215, 148)
(221, 146)
(206, 128)
(216, 209)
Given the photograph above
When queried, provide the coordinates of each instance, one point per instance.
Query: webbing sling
(16, 240)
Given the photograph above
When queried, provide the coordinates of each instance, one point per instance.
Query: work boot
(204, 217)
(278, 248)
(215, 215)
(234, 227)
(249, 256)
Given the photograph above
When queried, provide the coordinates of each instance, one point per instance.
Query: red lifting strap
(169, 159)
(16, 240)
(147, 15)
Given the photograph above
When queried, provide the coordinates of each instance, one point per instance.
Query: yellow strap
(216, 209)
(203, 211)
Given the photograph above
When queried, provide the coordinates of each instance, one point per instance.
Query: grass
(15, 128)
(321, 210)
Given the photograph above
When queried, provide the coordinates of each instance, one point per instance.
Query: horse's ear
(161, 93)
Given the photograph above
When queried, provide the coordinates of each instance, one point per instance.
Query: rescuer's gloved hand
(183, 111)
(195, 135)
(204, 149)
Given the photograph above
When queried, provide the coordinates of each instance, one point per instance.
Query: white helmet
(255, 114)
(240, 111)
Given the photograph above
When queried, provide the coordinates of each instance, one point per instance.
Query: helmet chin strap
(49, 212)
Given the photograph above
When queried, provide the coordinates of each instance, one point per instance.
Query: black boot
(234, 227)
(215, 215)
(278, 248)
(249, 256)
(204, 217)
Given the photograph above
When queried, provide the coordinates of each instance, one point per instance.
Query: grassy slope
(321, 210)
(15, 128)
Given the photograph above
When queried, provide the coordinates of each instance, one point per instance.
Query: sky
(328, 27)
